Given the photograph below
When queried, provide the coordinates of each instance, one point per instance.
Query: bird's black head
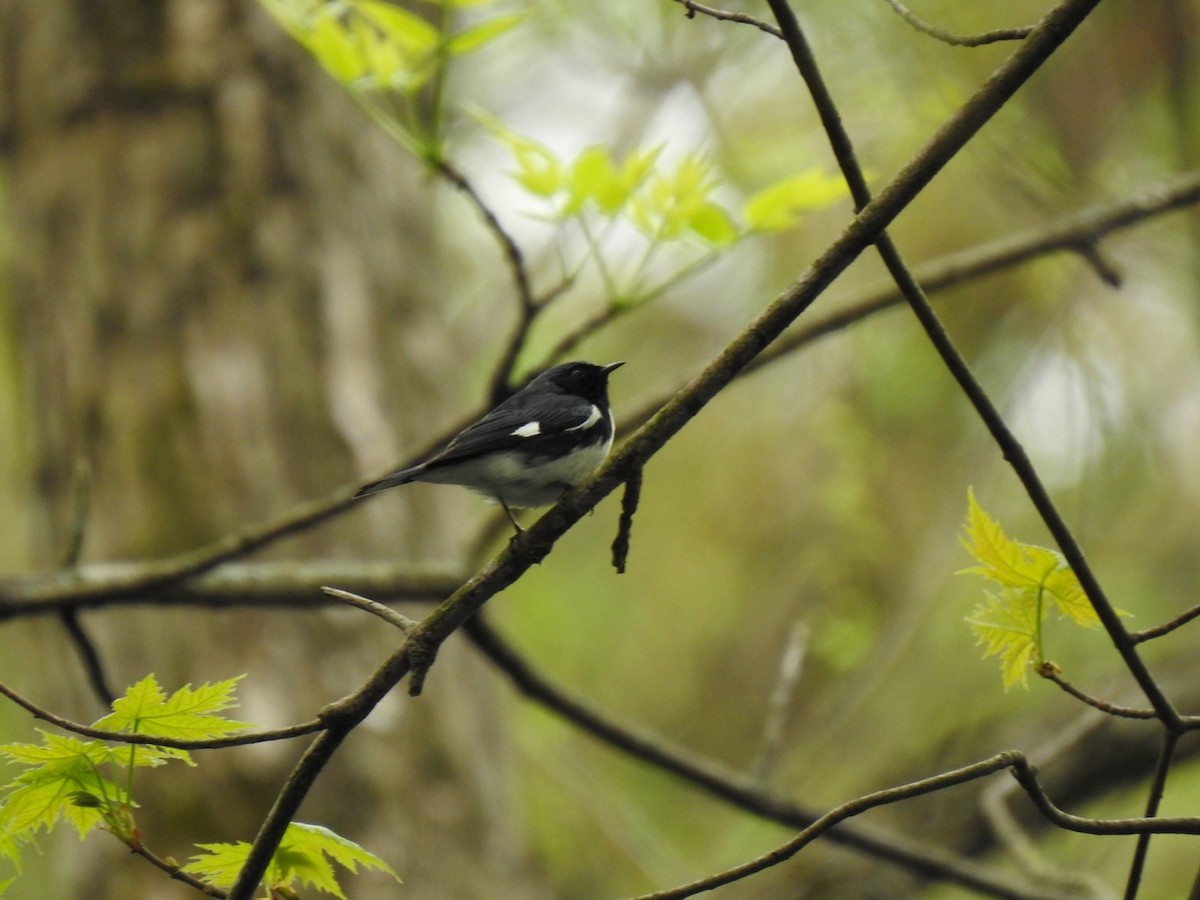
(580, 378)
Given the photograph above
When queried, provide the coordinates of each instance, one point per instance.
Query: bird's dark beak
(612, 367)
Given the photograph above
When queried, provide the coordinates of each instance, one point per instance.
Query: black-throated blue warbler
(532, 448)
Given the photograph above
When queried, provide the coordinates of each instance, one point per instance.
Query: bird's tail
(396, 478)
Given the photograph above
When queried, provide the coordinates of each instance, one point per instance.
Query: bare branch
(263, 585)
(693, 7)
(386, 613)
(959, 40)
(93, 666)
(512, 252)
(1026, 776)
(528, 306)
(1026, 851)
(176, 872)
(1153, 801)
(1050, 672)
(1167, 627)
(629, 504)
(85, 647)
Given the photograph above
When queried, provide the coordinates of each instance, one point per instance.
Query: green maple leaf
(1009, 624)
(58, 771)
(304, 858)
(87, 782)
(783, 204)
(188, 714)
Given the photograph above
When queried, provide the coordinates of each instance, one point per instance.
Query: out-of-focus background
(226, 291)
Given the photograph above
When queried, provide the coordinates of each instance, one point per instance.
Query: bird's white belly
(518, 485)
(510, 478)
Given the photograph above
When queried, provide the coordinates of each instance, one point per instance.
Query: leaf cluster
(303, 859)
(380, 51)
(1033, 580)
(666, 203)
(89, 784)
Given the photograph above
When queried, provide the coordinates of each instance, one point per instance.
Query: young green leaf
(1002, 559)
(482, 33)
(88, 782)
(781, 205)
(712, 222)
(58, 769)
(1008, 625)
(336, 48)
(412, 34)
(1067, 593)
(1033, 578)
(593, 177)
(677, 203)
(302, 859)
(188, 714)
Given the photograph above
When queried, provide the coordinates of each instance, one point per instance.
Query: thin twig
(93, 665)
(1027, 852)
(1167, 627)
(791, 665)
(176, 872)
(85, 647)
(722, 15)
(629, 505)
(959, 40)
(386, 613)
(512, 251)
(237, 740)
(1050, 672)
(527, 304)
(1026, 776)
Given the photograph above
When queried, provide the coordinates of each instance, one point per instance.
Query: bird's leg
(512, 518)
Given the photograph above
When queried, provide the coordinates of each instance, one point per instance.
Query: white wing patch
(528, 430)
(592, 419)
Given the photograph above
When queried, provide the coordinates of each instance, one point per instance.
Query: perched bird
(532, 448)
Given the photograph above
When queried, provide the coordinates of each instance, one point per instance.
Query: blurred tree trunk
(205, 234)
(183, 190)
